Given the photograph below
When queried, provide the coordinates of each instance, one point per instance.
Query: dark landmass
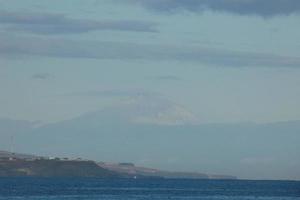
(14, 165)
(132, 170)
(53, 168)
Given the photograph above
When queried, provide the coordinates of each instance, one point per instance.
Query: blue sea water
(143, 189)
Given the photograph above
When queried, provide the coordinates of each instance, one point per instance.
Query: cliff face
(54, 168)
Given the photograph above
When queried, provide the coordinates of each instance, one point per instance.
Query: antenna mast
(12, 144)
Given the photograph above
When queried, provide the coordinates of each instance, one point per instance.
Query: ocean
(145, 189)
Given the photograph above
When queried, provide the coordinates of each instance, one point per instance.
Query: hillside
(133, 170)
(256, 149)
(53, 168)
(16, 164)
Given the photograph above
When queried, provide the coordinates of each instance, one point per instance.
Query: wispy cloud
(47, 23)
(167, 78)
(41, 76)
(37, 46)
(265, 8)
(116, 93)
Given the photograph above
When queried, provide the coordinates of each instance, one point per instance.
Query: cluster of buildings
(14, 157)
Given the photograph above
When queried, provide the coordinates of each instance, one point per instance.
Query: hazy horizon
(191, 85)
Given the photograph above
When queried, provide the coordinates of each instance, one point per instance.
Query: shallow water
(143, 189)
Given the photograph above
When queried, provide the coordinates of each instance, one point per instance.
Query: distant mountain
(164, 135)
(10, 126)
(10, 129)
(145, 110)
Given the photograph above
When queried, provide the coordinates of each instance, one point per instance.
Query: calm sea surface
(121, 189)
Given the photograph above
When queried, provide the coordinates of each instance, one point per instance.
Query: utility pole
(12, 144)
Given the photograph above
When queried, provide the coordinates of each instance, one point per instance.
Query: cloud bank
(46, 23)
(265, 8)
(14, 46)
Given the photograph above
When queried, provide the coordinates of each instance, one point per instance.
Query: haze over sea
(144, 189)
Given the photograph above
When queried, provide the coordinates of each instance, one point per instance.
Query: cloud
(15, 46)
(265, 8)
(116, 93)
(46, 23)
(41, 76)
(168, 78)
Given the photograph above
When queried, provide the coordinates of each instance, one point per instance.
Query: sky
(190, 62)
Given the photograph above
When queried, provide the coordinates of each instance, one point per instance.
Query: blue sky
(221, 61)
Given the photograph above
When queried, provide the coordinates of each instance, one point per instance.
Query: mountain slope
(115, 135)
(54, 168)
